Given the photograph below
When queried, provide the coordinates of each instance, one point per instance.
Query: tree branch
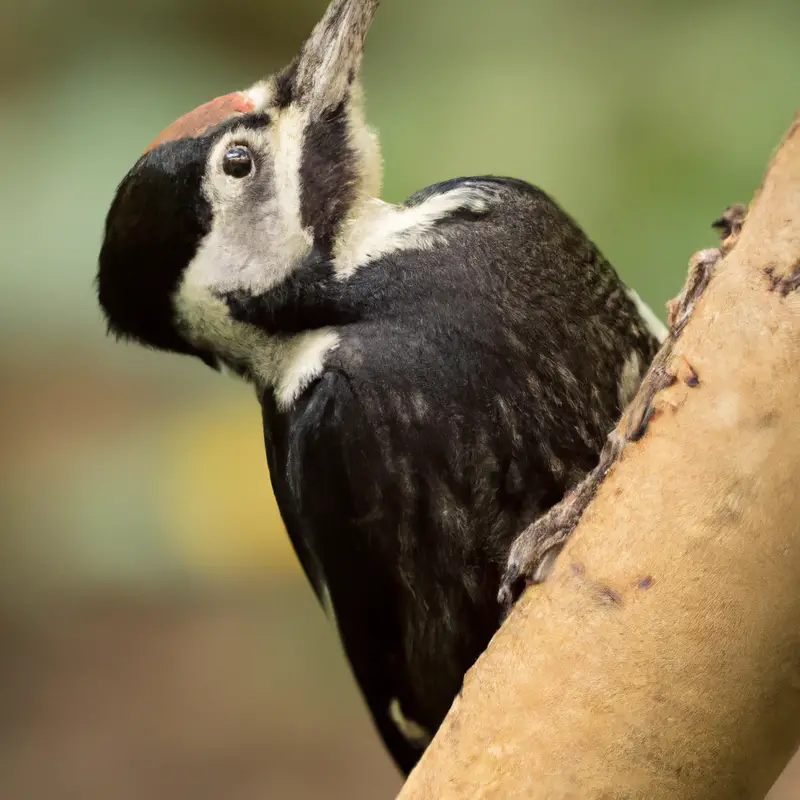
(661, 658)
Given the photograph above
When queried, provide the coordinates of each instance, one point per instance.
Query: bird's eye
(237, 162)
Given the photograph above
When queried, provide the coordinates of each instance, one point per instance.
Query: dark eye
(237, 162)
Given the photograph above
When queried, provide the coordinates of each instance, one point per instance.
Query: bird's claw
(530, 558)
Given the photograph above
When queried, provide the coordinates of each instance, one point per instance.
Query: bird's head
(233, 195)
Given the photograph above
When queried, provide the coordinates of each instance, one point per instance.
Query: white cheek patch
(377, 228)
(207, 322)
(411, 731)
(654, 324)
(257, 236)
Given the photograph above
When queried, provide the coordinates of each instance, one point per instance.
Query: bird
(433, 375)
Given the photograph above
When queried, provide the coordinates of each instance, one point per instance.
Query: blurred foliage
(126, 471)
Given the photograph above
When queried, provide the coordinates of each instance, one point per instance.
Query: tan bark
(661, 658)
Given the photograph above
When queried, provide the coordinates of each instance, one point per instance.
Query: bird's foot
(535, 550)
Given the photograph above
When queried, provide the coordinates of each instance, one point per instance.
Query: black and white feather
(433, 375)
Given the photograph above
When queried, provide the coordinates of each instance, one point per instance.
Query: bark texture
(661, 658)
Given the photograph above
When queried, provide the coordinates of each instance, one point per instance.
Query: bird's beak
(206, 116)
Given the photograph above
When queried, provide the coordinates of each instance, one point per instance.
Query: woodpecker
(433, 375)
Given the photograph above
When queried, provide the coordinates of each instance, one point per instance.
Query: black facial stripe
(327, 175)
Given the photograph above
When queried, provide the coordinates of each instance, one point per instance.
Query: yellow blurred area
(221, 516)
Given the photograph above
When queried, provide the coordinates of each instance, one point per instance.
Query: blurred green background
(156, 639)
